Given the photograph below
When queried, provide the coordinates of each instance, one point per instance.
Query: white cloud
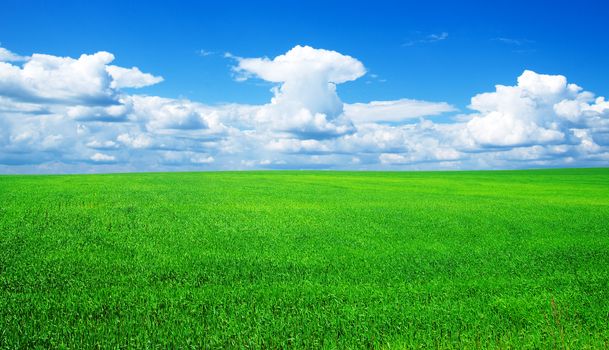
(130, 77)
(87, 80)
(283, 145)
(205, 53)
(181, 158)
(304, 62)
(202, 159)
(164, 113)
(7, 56)
(52, 78)
(427, 39)
(64, 113)
(394, 111)
(8, 105)
(501, 129)
(96, 144)
(544, 85)
(541, 109)
(102, 158)
(305, 103)
(112, 113)
(137, 141)
(579, 109)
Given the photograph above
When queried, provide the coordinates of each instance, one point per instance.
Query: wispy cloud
(512, 41)
(375, 78)
(205, 53)
(518, 46)
(427, 39)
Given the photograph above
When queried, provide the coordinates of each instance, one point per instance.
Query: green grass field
(509, 259)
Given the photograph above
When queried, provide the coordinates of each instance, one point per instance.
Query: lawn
(291, 259)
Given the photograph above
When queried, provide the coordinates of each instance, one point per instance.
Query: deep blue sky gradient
(163, 38)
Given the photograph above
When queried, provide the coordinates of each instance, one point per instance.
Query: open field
(510, 259)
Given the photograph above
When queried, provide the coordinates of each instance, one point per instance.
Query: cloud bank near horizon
(63, 114)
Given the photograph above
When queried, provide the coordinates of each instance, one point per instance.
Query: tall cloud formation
(305, 103)
(63, 114)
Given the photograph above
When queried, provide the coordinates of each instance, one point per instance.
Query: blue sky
(563, 37)
(441, 52)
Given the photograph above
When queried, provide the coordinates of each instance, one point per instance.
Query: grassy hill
(506, 259)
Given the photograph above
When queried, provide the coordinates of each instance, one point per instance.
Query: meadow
(306, 259)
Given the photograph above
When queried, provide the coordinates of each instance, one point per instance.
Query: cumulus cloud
(305, 103)
(300, 63)
(202, 159)
(540, 109)
(102, 158)
(290, 145)
(130, 77)
(59, 79)
(8, 56)
(97, 144)
(87, 80)
(8, 105)
(135, 141)
(163, 113)
(112, 113)
(180, 158)
(69, 114)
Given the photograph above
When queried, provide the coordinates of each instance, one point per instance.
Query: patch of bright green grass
(510, 259)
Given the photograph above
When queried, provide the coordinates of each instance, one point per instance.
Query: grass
(510, 259)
